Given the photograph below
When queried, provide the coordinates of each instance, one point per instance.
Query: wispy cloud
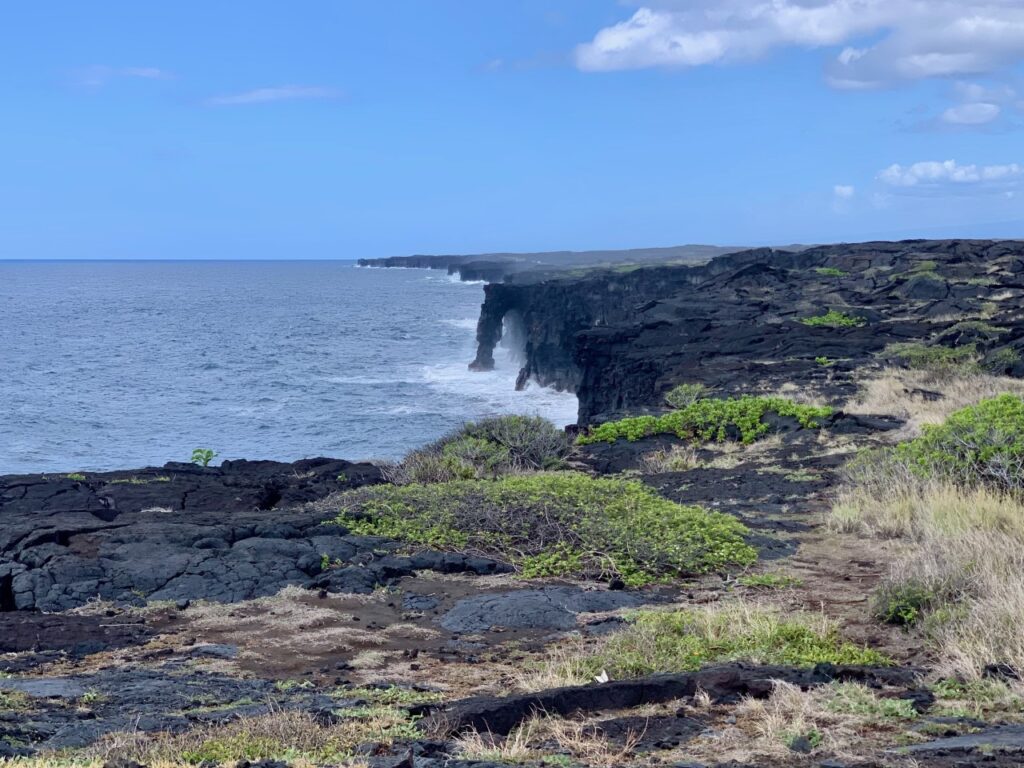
(883, 41)
(277, 93)
(972, 113)
(950, 177)
(99, 75)
(843, 191)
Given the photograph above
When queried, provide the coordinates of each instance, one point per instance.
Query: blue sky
(337, 129)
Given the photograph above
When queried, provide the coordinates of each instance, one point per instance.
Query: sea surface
(112, 365)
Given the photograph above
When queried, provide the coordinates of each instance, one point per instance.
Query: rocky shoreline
(186, 599)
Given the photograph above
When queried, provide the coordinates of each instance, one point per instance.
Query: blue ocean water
(110, 365)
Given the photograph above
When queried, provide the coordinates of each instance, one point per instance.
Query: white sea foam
(494, 392)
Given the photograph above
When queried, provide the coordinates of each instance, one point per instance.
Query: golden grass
(900, 504)
(898, 392)
(678, 458)
(540, 736)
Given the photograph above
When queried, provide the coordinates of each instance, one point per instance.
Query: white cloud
(279, 93)
(972, 113)
(884, 41)
(99, 75)
(932, 176)
(844, 191)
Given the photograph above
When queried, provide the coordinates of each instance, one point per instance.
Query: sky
(341, 129)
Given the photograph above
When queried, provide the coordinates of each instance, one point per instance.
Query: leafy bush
(680, 641)
(490, 448)
(833, 319)
(203, 456)
(710, 419)
(830, 272)
(685, 395)
(824, 361)
(937, 358)
(983, 443)
(555, 524)
(904, 602)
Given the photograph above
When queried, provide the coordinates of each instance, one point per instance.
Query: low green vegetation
(203, 456)
(685, 395)
(856, 699)
(824, 361)
(741, 418)
(140, 480)
(78, 477)
(495, 447)
(983, 443)
(830, 272)
(555, 524)
(685, 640)
(14, 701)
(935, 358)
(767, 581)
(833, 319)
(904, 602)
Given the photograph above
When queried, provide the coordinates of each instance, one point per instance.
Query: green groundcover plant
(555, 524)
(982, 443)
(710, 419)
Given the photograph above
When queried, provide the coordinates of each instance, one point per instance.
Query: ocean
(111, 365)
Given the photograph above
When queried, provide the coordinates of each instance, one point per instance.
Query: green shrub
(824, 361)
(710, 419)
(937, 358)
(78, 477)
(833, 319)
(830, 272)
(904, 603)
(681, 641)
(685, 395)
(203, 456)
(982, 443)
(486, 449)
(565, 524)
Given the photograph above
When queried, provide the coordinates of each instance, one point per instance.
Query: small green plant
(833, 319)
(830, 272)
(14, 701)
(685, 395)
(710, 419)
(813, 739)
(824, 361)
(203, 456)
(903, 603)
(78, 477)
(768, 581)
(565, 524)
(342, 478)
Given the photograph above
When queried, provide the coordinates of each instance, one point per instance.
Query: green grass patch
(682, 641)
(14, 701)
(768, 581)
(78, 477)
(834, 319)
(856, 699)
(710, 419)
(830, 272)
(555, 524)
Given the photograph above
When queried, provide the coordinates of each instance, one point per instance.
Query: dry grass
(678, 458)
(893, 502)
(295, 735)
(976, 581)
(898, 392)
(540, 736)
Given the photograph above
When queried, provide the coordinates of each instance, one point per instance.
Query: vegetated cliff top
(620, 338)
